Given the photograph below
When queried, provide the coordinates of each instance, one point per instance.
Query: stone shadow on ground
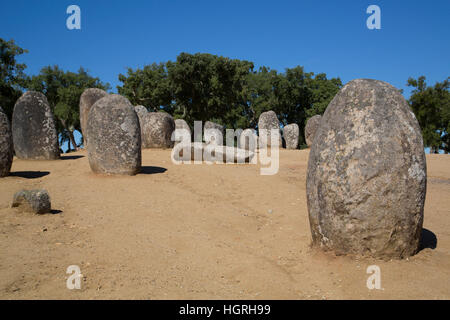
(71, 157)
(428, 240)
(152, 170)
(29, 174)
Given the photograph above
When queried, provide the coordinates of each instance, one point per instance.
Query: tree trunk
(72, 140)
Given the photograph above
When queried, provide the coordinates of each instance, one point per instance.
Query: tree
(149, 87)
(431, 105)
(12, 76)
(63, 90)
(228, 91)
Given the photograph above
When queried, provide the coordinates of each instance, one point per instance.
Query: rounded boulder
(6, 148)
(267, 122)
(157, 130)
(291, 133)
(87, 100)
(366, 176)
(114, 137)
(311, 128)
(33, 128)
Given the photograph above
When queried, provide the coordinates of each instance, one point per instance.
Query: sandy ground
(197, 232)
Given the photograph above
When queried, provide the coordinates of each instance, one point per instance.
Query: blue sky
(323, 36)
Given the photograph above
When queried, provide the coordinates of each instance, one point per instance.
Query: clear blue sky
(323, 36)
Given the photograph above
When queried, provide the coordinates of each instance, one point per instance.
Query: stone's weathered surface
(180, 124)
(268, 121)
(212, 153)
(214, 129)
(248, 140)
(311, 128)
(291, 133)
(157, 130)
(141, 112)
(114, 137)
(6, 148)
(33, 128)
(36, 201)
(366, 178)
(87, 100)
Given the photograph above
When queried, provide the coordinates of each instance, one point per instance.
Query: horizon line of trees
(207, 87)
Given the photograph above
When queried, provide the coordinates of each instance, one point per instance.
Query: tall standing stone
(291, 133)
(181, 124)
(141, 112)
(248, 140)
(6, 149)
(267, 122)
(33, 128)
(157, 130)
(87, 100)
(214, 130)
(311, 128)
(366, 178)
(114, 137)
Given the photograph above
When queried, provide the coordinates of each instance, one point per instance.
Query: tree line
(205, 87)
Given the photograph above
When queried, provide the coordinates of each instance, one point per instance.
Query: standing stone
(180, 124)
(114, 137)
(268, 121)
(290, 134)
(33, 128)
(366, 178)
(248, 140)
(157, 130)
(87, 100)
(6, 148)
(141, 111)
(311, 128)
(214, 129)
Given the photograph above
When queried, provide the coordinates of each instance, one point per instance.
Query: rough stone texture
(114, 137)
(366, 178)
(244, 140)
(290, 134)
(87, 100)
(33, 128)
(268, 121)
(181, 124)
(157, 130)
(6, 148)
(36, 201)
(311, 128)
(217, 153)
(141, 112)
(213, 126)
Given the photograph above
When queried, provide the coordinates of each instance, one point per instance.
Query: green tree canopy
(228, 91)
(431, 105)
(12, 76)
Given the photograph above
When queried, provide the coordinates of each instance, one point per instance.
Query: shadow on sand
(71, 157)
(428, 240)
(152, 170)
(29, 174)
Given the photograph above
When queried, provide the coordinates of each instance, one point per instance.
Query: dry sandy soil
(197, 232)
